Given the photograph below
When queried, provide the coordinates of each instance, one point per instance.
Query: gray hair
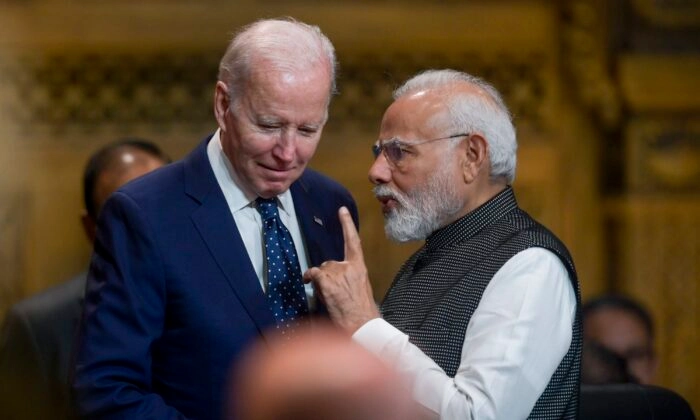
(486, 114)
(287, 44)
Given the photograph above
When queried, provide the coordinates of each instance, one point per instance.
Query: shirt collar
(474, 221)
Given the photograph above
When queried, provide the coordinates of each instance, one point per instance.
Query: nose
(380, 172)
(286, 146)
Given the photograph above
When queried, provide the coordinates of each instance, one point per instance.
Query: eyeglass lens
(391, 149)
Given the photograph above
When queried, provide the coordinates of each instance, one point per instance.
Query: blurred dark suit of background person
(604, 93)
(36, 341)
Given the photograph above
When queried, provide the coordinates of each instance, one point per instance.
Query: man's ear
(222, 103)
(475, 154)
(89, 226)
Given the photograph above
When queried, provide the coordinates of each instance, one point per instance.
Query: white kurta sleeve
(516, 338)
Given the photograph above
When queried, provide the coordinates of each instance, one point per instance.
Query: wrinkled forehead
(311, 78)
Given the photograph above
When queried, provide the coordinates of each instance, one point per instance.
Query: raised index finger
(353, 248)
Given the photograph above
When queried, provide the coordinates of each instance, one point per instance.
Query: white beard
(422, 210)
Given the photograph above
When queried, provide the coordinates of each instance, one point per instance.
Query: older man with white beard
(483, 319)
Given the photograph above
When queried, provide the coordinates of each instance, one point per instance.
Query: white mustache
(384, 191)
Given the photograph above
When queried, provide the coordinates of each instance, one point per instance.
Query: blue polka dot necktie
(285, 288)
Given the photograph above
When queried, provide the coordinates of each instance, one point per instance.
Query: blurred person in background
(37, 336)
(618, 335)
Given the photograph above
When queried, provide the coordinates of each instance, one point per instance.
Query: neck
(478, 195)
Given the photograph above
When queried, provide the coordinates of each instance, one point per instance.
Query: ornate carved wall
(636, 71)
(604, 94)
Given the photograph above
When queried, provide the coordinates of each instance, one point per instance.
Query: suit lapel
(312, 223)
(215, 224)
(314, 228)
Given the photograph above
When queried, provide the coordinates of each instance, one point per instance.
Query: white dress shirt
(247, 218)
(516, 338)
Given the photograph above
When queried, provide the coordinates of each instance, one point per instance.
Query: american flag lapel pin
(318, 220)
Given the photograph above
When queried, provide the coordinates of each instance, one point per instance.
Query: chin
(273, 189)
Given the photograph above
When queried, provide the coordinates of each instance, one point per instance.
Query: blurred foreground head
(320, 374)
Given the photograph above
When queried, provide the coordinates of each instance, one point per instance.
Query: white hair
(286, 44)
(486, 114)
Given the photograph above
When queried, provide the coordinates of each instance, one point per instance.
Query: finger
(353, 247)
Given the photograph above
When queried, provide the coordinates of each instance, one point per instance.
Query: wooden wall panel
(659, 264)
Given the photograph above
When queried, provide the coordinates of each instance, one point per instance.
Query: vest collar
(470, 224)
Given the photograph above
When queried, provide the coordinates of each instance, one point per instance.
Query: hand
(343, 286)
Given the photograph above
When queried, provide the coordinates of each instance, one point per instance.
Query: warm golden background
(605, 93)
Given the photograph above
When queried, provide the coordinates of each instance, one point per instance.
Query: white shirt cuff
(375, 334)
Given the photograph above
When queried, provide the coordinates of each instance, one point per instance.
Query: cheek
(305, 150)
(260, 149)
(254, 147)
(407, 179)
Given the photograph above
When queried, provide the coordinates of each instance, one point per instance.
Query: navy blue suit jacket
(172, 298)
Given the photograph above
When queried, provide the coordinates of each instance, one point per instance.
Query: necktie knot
(267, 207)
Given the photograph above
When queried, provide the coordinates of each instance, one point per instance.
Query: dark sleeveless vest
(437, 290)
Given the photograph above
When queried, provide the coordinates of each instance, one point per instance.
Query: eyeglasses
(395, 150)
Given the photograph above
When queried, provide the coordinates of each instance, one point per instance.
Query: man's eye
(308, 131)
(393, 151)
(401, 148)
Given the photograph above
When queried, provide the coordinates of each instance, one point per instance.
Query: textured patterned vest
(437, 290)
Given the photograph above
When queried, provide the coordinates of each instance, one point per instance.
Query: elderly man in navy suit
(198, 259)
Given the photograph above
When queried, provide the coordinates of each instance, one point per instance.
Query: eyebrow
(391, 139)
(267, 119)
(401, 142)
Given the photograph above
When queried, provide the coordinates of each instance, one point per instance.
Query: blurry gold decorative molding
(585, 55)
(663, 155)
(367, 79)
(87, 90)
(659, 264)
(90, 90)
(673, 13)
